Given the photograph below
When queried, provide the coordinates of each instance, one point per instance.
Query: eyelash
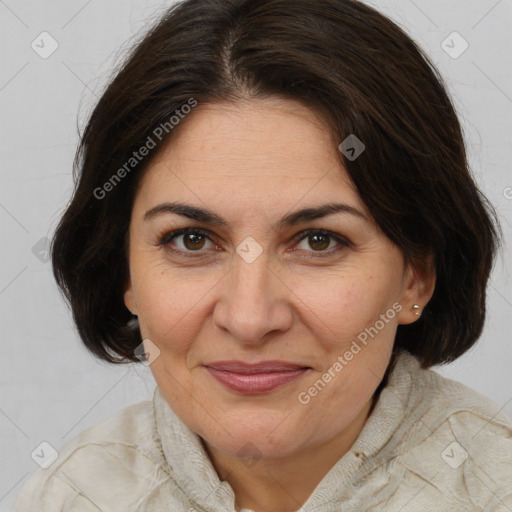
(167, 237)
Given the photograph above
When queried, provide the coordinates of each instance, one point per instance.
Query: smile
(256, 382)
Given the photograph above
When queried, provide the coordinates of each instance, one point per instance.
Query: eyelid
(165, 238)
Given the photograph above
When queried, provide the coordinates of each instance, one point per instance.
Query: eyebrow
(208, 217)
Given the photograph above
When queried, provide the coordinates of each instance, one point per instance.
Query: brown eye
(193, 241)
(321, 243)
(318, 242)
(187, 241)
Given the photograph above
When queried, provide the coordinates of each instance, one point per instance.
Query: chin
(257, 434)
(254, 448)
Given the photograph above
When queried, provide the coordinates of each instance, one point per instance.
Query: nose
(254, 302)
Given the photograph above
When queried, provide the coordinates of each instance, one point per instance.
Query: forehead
(273, 152)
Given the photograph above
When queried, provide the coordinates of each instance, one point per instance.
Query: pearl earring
(416, 309)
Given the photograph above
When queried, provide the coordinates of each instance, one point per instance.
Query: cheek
(339, 307)
(357, 333)
(169, 306)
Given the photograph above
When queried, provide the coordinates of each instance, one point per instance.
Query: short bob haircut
(345, 61)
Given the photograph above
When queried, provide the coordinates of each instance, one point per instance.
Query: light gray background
(52, 389)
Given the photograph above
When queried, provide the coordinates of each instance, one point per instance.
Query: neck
(286, 483)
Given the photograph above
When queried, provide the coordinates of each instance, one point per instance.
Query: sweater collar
(194, 473)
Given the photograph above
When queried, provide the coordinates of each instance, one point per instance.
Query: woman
(274, 211)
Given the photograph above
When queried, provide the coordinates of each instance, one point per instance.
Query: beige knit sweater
(431, 444)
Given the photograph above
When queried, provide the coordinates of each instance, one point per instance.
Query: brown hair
(344, 60)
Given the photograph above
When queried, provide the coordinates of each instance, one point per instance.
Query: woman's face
(248, 283)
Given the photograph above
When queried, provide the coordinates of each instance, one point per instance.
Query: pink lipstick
(255, 378)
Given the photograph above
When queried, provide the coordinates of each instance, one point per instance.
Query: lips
(262, 367)
(255, 378)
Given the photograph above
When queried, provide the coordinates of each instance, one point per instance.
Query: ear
(418, 288)
(129, 300)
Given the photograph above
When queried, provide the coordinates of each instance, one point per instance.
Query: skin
(252, 162)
